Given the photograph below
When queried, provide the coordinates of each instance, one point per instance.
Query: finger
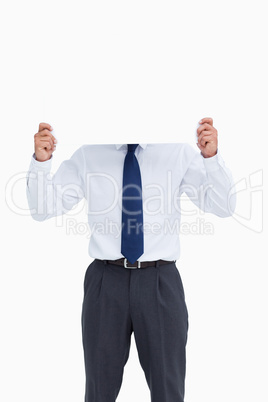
(43, 126)
(48, 139)
(208, 120)
(45, 133)
(45, 145)
(205, 133)
(205, 139)
(203, 127)
(45, 138)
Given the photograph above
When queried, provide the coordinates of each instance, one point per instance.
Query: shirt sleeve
(209, 184)
(50, 196)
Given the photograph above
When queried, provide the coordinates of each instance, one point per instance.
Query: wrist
(41, 160)
(209, 155)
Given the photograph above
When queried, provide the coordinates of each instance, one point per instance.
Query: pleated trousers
(150, 302)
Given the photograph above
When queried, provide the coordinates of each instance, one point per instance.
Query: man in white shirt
(120, 298)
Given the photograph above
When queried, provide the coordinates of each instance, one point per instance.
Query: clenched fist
(44, 142)
(207, 137)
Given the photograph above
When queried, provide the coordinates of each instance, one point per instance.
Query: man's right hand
(44, 142)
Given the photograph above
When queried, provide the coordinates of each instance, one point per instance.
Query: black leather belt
(123, 262)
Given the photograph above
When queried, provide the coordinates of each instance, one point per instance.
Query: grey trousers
(149, 302)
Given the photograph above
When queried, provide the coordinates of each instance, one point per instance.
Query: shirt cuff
(213, 162)
(38, 165)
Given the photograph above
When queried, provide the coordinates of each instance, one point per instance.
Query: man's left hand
(207, 137)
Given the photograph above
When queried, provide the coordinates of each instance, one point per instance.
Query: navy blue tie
(132, 246)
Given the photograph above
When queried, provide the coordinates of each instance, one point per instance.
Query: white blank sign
(117, 71)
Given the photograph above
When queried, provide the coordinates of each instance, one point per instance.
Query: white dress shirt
(95, 172)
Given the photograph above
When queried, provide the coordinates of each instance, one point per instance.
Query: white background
(143, 71)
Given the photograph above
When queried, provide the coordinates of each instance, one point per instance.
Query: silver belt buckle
(126, 266)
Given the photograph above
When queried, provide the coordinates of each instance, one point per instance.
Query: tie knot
(132, 147)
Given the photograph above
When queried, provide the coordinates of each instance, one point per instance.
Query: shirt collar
(120, 145)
